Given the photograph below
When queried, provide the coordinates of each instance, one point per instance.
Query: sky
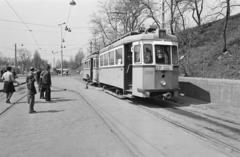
(33, 25)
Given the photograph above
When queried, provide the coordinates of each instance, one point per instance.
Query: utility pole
(72, 3)
(15, 56)
(61, 51)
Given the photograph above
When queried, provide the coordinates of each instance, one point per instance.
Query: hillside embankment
(202, 48)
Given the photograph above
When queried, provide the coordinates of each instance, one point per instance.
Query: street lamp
(72, 3)
(62, 40)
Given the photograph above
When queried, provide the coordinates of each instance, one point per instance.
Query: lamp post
(72, 3)
(62, 40)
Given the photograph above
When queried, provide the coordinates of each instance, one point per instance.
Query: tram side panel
(112, 76)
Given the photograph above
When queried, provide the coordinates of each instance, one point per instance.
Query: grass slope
(204, 50)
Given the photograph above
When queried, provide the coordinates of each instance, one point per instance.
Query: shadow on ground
(194, 91)
(50, 111)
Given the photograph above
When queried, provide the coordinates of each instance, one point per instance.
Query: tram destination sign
(164, 67)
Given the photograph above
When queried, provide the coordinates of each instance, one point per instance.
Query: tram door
(127, 67)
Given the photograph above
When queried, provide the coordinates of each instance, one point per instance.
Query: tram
(142, 64)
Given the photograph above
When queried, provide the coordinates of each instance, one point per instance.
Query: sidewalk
(66, 126)
(20, 92)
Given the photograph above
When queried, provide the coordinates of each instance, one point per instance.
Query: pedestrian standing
(46, 82)
(31, 90)
(39, 82)
(8, 80)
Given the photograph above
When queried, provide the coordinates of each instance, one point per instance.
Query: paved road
(65, 127)
(91, 123)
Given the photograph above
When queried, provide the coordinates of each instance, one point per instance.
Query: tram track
(107, 121)
(11, 106)
(220, 145)
(8, 108)
(224, 147)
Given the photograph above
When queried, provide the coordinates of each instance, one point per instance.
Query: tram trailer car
(141, 64)
(90, 67)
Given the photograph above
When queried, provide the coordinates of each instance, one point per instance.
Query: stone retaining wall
(211, 90)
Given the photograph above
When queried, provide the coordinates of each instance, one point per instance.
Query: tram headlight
(163, 83)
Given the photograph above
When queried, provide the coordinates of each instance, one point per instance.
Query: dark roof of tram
(92, 55)
(134, 36)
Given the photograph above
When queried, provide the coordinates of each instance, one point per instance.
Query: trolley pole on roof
(163, 14)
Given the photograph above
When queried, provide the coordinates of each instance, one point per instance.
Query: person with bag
(46, 83)
(31, 90)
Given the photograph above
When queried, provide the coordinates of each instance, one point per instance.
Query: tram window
(118, 59)
(94, 63)
(137, 54)
(111, 58)
(106, 59)
(148, 57)
(162, 54)
(101, 60)
(174, 55)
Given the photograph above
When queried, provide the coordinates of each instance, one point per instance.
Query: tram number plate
(164, 67)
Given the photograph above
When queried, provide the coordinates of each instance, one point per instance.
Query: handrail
(128, 67)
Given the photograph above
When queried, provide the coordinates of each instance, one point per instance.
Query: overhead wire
(37, 24)
(42, 25)
(24, 23)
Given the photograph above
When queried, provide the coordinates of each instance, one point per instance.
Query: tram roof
(140, 37)
(92, 55)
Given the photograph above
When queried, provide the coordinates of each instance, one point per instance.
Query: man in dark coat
(45, 77)
(31, 90)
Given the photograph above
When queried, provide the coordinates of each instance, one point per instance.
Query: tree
(37, 61)
(225, 6)
(24, 58)
(79, 57)
(197, 8)
(116, 18)
(226, 24)
(152, 11)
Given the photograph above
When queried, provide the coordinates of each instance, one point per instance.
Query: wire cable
(37, 24)
(24, 23)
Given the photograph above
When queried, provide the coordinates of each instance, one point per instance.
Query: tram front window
(162, 54)
(148, 57)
